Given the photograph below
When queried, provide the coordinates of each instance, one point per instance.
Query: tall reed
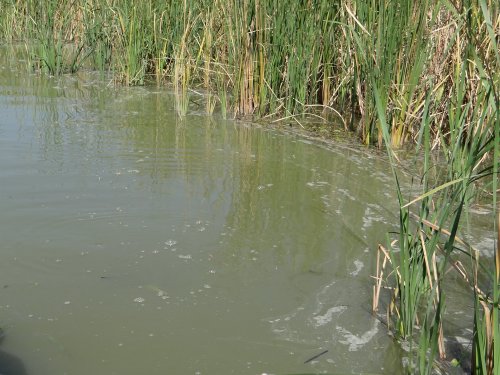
(469, 136)
(281, 59)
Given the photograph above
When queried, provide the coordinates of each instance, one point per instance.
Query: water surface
(134, 242)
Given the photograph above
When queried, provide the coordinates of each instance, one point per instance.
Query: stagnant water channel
(134, 242)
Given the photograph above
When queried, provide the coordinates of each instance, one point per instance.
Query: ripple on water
(370, 217)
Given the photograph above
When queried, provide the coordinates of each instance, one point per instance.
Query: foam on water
(356, 342)
(359, 266)
(321, 320)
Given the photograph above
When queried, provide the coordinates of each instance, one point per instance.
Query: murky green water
(133, 242)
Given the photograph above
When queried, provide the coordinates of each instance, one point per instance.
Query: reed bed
(269, 58)
(424, 73)
(428, 243)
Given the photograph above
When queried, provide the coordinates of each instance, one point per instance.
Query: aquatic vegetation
(425, 73)
(425, 248)
(279, 59)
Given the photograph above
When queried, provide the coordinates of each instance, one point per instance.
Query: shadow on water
(10, 364)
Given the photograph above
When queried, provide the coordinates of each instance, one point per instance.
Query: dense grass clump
(428, 244)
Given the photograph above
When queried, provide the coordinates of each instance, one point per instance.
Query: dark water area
(134, 241)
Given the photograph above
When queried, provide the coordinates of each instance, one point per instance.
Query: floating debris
(316, 356)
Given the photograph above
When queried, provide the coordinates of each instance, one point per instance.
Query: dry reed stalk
(436, 297)
(378, 278)
(380, 275)
(436, 227)
(246, 101)
(457, 265)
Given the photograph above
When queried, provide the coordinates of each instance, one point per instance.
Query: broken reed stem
(441, 230)
(380, 276)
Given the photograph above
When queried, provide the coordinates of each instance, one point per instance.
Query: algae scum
(136, 242)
